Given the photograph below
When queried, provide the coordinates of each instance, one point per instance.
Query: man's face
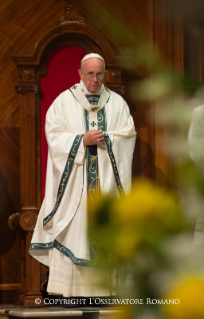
(92, 66)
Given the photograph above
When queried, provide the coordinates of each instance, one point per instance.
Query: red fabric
(62, 73)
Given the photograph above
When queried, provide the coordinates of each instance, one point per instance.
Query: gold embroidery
(93, 160)
(73, 152)
(63, 182)
(115, 170)
(68, 253)
(100, 117)
(36, 246)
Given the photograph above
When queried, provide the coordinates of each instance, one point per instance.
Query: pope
(91, 138)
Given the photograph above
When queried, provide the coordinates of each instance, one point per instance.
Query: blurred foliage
(148, 235)
(136, 222)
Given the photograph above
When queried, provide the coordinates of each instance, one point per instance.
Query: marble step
(59, 312)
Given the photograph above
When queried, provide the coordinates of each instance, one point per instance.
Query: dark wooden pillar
(27, 215)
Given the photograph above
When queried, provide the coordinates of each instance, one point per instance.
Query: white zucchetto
(92, 55)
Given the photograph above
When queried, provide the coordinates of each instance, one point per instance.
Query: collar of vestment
(82, 99)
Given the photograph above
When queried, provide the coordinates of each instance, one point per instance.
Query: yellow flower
(148, 205)
(190, 292)
(126, 243)
(124, 225)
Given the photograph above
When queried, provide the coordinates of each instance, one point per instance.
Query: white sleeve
(59, 139)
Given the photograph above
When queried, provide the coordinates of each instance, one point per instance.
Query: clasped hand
(93, 137)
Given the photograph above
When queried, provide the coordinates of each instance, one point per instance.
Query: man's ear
(80, 73)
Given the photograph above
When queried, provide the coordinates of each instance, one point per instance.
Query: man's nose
(95, 78)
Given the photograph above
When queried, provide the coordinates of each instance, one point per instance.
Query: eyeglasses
(89, 76)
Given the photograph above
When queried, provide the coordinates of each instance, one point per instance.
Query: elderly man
(91, 138)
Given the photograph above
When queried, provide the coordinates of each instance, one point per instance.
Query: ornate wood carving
(113, 77)
(71, 13)
(26, 74)
(21, 89)
(26, 218)
(120, 90)
(75, 33)
(28, 221)
(14, 221)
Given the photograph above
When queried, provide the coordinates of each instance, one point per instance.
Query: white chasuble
(60, 238)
